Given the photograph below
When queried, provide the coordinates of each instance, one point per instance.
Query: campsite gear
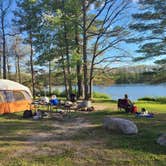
(54, 102)
(73, 97)
(27, 114)
(134, 109)
(14, 97)
(44, 100)
(149, 115)
(39, 115)
(90, 109)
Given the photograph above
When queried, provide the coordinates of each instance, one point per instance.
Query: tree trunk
(65, 78)
(79, 65)
(18, 67)
(49, 64)
(85, 64)
(4, 47)
(79, 81)
(67, 51)
(91, 88)
(32, 69)
(68, 58)
(8, 67)
(91, 74)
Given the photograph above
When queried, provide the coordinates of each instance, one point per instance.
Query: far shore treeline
(124, 75)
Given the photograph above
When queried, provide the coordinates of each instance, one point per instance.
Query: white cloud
(92, 7)
(135, 1)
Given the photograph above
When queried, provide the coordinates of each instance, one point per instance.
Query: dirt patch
(27, 149)
(58, 140)
(101, 107)
(62, 130)
(105, 106)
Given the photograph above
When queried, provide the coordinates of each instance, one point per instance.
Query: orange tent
(14, 97)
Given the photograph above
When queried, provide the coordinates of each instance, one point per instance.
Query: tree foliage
(150, 27)
(74, 38)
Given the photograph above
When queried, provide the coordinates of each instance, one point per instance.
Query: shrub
(63, 94)
(147, 99)
(56, 92)
(161, 99)
(100, 95)
(157, 99)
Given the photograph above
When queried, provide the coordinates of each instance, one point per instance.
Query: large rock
(118, 124)
(162, 140)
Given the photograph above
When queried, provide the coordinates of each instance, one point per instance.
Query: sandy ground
(58, 139)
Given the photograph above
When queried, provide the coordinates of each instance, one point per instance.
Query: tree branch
(108, 46)
(98, 14)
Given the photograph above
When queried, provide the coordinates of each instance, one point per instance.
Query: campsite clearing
(81, 139)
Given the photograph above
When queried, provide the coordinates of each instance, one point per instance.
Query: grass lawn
(81, 140)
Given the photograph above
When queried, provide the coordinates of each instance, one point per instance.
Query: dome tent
(11, 85)
(14, 97)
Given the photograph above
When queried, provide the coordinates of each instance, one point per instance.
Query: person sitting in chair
(129, 104)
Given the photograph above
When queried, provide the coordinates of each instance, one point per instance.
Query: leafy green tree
(70, 32)
(61, 21)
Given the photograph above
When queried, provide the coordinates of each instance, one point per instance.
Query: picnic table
(37, 105)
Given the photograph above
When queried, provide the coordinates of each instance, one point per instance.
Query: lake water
(134, 91)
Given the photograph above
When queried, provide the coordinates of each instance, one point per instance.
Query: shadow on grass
(104, 101)
(104, 113)
(144, 141)
(17, 116)
(20, 126)
(97, 116)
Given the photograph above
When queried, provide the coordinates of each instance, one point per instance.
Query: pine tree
(150, 28)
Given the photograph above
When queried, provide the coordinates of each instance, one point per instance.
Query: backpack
(27, 114)
(134, 109)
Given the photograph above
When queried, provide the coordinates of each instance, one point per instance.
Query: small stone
(162, 140)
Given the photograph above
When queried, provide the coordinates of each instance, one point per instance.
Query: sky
(130, 48)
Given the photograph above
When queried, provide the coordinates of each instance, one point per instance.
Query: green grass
(152, 106)
(90, 145)
(100, 95)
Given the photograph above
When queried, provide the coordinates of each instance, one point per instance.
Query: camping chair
(122, 104)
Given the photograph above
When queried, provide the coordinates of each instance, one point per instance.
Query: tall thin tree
(4, 8)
